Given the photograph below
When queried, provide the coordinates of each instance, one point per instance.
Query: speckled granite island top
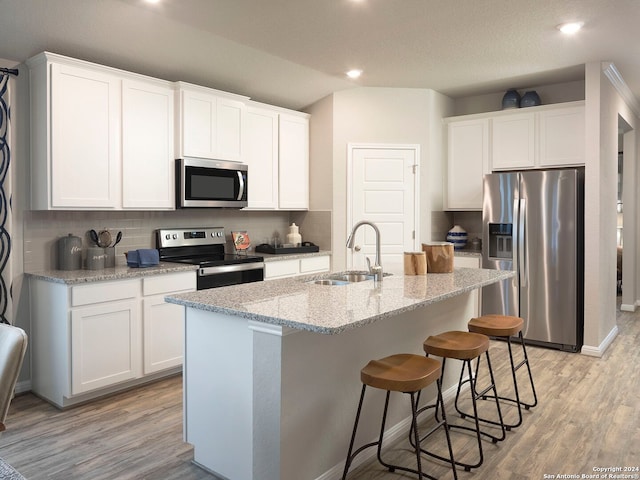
(301, 304)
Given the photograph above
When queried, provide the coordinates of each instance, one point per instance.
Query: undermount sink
(343, 278)
(329, 282)
(352, 277)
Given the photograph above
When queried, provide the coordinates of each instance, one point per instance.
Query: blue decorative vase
(458, 236)
(511, 99)
(530, 99)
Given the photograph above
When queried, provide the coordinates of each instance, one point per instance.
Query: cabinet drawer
(104, 292)
(281, 268)
(175, 282)
(315, 264)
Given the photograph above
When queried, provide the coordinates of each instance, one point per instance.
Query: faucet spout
(375, 269)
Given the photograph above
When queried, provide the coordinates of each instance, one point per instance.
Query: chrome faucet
(376, 269)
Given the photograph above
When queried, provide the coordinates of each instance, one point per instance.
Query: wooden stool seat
(404, 372)
(455, 344)
(496, 325)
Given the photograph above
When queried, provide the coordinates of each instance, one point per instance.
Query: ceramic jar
(530, 99)
(293, 237)
(511, 99)
(70, 253)
(458, 236)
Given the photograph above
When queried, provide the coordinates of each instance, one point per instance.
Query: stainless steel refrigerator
(533, 223)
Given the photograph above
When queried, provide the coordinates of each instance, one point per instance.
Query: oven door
(210, 183)
(224, 275)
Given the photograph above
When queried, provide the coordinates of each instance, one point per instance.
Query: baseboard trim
(600, 349)
(401, 429)
(22, 387)
(625, 307)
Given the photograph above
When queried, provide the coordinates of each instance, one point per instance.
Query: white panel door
(85, 113)
(147, 146)
(383, 191)
(260, 153)
(199, 120)
(163, 334)
(513, 142)
(293, 172)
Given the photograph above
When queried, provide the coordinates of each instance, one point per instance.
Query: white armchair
(13, 345)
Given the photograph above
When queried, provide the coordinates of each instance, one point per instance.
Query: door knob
(357, 248)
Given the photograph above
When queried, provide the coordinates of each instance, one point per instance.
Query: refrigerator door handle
(522, 256)
(516, 235)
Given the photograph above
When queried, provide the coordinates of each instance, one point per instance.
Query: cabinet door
(293, 171)
(229, 129)
(85, 121)
(468, 161)
(260, 138)
(163, 333)
(105, 345)
(513, 142)
(147, 146)
(199, 113)
(562, 137)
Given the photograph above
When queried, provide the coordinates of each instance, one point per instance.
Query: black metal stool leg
(514, 368)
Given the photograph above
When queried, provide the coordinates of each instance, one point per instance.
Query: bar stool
(465, 346)
(406, 373)
(505, 327)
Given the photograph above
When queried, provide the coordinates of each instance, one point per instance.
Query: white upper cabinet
(535, 137)
(562, 136)
(513, 140)
(468, 161)
(101, 138)
(260, 149)
(147, 146)
(276, 149)
(293, 189)
(210, 123)
(538, 137)
(83, 140)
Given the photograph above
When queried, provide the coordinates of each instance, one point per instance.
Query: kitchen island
(272, 369)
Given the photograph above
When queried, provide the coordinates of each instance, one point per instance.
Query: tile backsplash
(42, 229)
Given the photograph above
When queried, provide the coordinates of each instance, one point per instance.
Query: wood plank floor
(588, 416)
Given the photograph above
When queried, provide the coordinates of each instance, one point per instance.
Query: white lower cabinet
(105, 345)
(294, 267)
(97, 338)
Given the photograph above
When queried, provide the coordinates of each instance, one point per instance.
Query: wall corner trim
(614, 76)
(600, 349)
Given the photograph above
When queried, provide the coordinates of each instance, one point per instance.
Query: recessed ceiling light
(571, 27)
(355, 73)
(152, 1)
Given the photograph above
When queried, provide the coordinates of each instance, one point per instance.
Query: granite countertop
(75, 277)
(300, 304)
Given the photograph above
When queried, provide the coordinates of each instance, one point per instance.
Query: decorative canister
(95, 258)
(511, 99)
(439, 257)
(294, 237)
(530, 99)
(70, 253)
(458, 236)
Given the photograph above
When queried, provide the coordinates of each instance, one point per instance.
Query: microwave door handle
(241, 179)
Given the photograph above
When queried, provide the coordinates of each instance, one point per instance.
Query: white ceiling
(294, 52)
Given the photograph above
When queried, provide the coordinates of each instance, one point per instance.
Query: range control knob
(167, 236)
(175, 236)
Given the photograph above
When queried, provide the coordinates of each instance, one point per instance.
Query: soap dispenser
(294, 237)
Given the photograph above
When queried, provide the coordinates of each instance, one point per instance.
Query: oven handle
(241, 267)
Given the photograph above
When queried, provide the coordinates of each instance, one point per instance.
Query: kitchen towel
(143, 257)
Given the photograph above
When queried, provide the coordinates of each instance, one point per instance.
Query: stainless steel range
(205, 247)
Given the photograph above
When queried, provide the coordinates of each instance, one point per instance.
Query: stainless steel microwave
(210, 183)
